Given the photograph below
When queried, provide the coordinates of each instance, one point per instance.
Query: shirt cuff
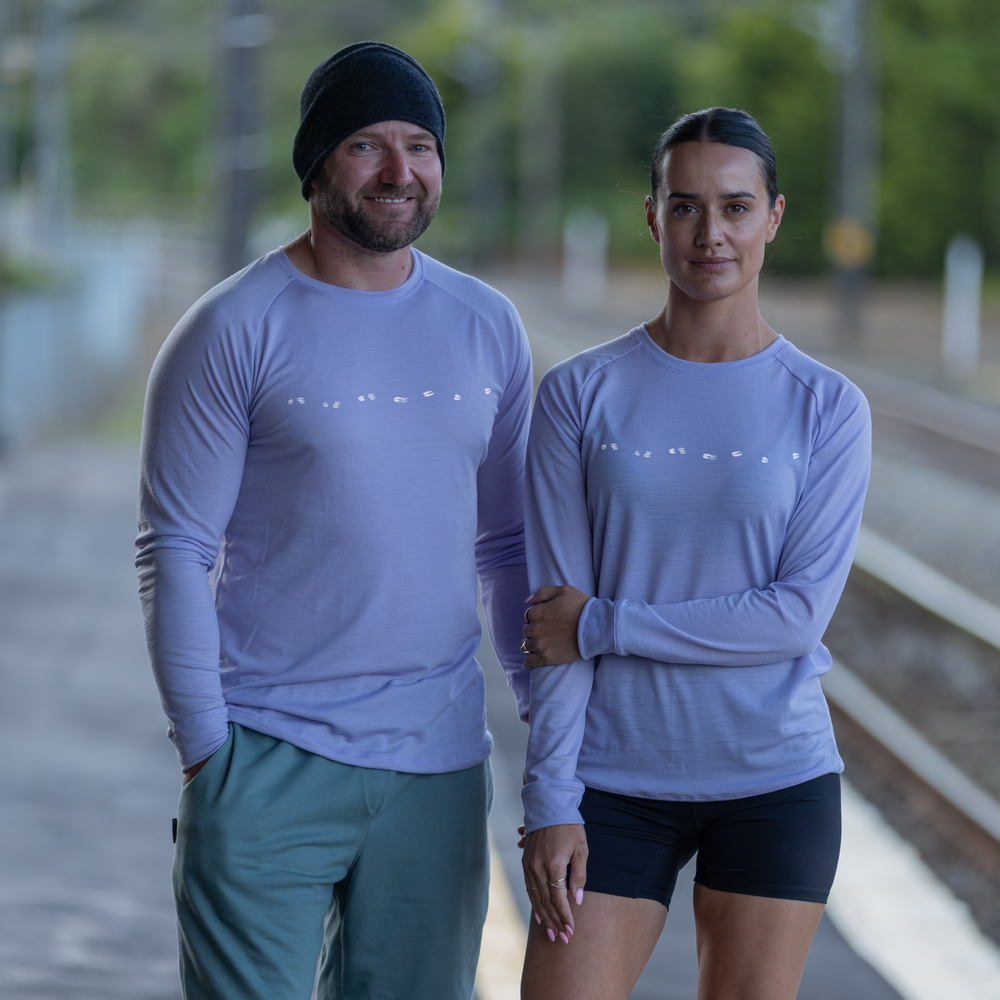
(595, 633)
(551, 805)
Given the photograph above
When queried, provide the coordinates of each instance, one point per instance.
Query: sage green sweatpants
(284, 858)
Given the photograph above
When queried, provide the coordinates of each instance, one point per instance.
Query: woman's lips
(712, 264)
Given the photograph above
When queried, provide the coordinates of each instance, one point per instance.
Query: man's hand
(550, 632)
(193, 770)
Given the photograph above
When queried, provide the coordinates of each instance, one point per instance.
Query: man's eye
(738, 209)
(362, 145)
(684, 209)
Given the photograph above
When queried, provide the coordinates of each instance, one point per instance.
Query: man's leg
(407, 923)
(265, 831)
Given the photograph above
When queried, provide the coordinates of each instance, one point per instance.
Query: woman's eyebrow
(737, 194)
(684, 194)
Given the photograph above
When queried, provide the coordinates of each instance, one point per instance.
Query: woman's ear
(776, 213)
(654, 230)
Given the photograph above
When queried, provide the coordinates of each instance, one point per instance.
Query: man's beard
(353, 221)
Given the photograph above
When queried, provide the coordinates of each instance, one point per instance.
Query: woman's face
(712, 219)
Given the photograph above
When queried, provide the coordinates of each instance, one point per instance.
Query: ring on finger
(527, 617)
(524, 646)
(560, 884)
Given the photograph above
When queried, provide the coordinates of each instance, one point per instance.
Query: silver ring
(527, 620)
(557, 885)
(534, 888)
(524, 647)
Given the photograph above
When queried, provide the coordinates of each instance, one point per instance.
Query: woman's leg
(614, 938)
(751, 947)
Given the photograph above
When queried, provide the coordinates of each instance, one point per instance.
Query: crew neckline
(706, 368)
(413, 281)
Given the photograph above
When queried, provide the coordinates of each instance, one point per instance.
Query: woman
(704, 480)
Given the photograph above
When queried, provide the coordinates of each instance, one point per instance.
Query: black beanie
(360, 85)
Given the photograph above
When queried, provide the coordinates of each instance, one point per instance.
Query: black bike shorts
(782, 844)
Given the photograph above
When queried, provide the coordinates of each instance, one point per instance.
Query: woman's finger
(578, 874)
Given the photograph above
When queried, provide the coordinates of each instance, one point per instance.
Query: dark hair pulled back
(727, 126)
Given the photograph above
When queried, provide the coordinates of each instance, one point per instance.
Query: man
(332, 448)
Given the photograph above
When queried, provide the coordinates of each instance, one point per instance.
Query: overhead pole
(51, 152)
(539, 152)
(244, 29)
(850, 237)
(6, 102)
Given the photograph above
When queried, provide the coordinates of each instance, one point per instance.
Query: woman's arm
(779, 622)
(559, 547)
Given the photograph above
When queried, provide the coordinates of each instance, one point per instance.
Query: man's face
(381, 186)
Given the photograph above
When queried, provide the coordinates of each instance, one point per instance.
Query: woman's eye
(738, 209)
(685, 209)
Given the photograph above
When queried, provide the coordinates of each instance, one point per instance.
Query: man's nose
(395, 168)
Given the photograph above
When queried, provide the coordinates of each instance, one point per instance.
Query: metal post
(850, 237)
(51, 154)
(243, 30)
(963, 292)
(6, 103)
(540, 147)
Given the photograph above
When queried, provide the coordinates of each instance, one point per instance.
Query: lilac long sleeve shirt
(712, 510)
(324, 471)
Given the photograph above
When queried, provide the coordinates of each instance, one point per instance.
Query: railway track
(915, 697)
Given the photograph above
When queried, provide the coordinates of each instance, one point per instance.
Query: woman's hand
(550, 629)
(555, 865)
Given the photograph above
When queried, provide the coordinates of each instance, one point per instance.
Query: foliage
(141, 109)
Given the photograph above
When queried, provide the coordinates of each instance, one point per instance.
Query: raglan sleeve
(787, 618)
(500, 562)
(194, 441)
(560, 545)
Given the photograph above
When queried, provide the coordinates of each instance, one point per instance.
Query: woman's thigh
(613, 941)
(765, 867)
(751, 947)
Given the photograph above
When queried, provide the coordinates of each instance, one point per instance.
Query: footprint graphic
(795, 454)
(488, 391)
(326, 404)
(399, 399)
(711, 458)
(335, 405)
(736, 454)
(614, 447)
(647, 454)
(361, 399)
(604, 447)
(637, 454)
(764, 459)
(291, 401)
(301, 400)
(673, 451)
(457, 396)
(682, 451)
(371, 395)
(428, 393)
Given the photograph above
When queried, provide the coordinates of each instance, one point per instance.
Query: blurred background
(145, 154)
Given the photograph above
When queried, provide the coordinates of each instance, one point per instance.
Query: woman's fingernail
(527, 600)
(563, 936)
(551, 933)
(569, 930)
(538, 919)
(579, 897)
